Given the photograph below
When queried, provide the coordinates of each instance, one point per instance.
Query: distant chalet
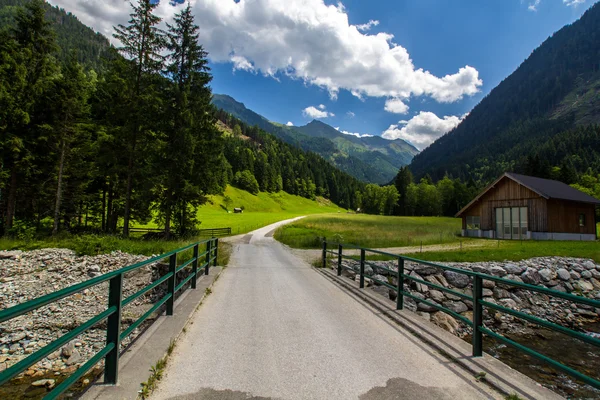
(524, 207)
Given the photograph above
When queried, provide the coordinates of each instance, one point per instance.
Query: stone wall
(569, 275)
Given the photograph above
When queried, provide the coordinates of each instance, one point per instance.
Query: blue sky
(412, 73)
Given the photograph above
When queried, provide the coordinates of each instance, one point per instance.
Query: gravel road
(273, 328)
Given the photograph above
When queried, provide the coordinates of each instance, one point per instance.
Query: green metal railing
(112, 314)
(477, 299)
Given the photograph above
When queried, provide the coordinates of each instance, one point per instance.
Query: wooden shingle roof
(547, 188)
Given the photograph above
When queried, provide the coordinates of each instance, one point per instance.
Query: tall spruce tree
(142, 42)
(193, 143)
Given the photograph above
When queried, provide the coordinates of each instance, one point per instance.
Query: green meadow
(374, 231)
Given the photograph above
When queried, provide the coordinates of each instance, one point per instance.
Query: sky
(408, 69)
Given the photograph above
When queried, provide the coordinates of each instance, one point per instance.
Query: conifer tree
(142, 42)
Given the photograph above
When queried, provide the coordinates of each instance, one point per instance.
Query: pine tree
(142, 42)
(193, 143)
(28, 67)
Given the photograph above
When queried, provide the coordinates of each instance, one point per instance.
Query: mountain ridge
(370, 159)
(553, 95)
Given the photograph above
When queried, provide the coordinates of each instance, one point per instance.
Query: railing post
(324, 253)
(113, 330)
(171, 283)
(195, 267)
(400, 297)
(339, 269)
(207, 260)
(216, 251)
(477, 316)
(362, 268)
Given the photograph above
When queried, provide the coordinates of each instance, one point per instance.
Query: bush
(246, 181)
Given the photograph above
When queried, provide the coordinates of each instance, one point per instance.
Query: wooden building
(524, 207)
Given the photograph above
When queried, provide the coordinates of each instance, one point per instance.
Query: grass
(371, 231)
(502, 250)
(260, 210)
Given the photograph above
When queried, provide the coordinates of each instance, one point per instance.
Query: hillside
(71, 34)
(548, 107)
(370, 159)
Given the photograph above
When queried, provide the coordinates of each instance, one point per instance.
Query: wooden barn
(524, 207)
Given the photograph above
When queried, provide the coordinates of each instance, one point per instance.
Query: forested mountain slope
(71, 34)
(547, 110)
(370, 159)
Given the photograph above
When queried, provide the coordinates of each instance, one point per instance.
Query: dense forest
(548, 108)
(132, 139)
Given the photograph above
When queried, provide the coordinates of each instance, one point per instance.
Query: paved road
(275, 328)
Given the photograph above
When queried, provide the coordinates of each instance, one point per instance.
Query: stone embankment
(570, 275)
(28, 275)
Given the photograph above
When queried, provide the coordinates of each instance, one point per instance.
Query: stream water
(572, 352)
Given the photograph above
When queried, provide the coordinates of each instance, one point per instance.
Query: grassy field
(372, 231)
(260, 210)
(508, 250)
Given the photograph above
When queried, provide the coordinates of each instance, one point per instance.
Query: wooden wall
(508, 193)
(563, 216)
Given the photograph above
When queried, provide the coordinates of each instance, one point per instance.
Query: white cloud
(359, 135)
(350, 114)
(367, 26)
(290, 123)
(534, 6)
(573, 2)
(422, 129)
(396, 106)
(321, 106)
(303, 39)
(314, 112)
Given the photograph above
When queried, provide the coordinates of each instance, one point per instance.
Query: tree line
(132, 137)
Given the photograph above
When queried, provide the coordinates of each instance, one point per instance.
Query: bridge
(271, 325)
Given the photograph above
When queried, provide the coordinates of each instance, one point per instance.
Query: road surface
(273, 328)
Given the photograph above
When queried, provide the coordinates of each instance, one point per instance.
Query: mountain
(548, 110)
(370, 159)
(71, 34)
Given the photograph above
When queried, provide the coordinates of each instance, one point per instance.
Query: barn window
(581, 219)
(473, 223)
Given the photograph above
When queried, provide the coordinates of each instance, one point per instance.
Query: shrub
(246, 181)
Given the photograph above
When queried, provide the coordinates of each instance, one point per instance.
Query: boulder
(489, 284)
(498, 271)
(563, 274)
(436, 295)
(456, 306)
(425, 307)
(456, 279)
(445, 321)
(379, 278)
(508, 303)
(546, 274)
(514, 269)
(589, 264)
(575, 275)
(500, 293)
(586, 274)
(531, 276)
(425, 270)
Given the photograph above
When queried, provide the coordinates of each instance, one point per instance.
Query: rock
(509, 303)
(483, 269)
(595, 283)
(589, 264)
(596, 273)
(392, 295)
(498, 271)
(445, 321)
(489, 284)
(487, 292)
(575, 275)
(425, 270)
(74, 358)
(563, 274)
(586, 274)
(514, 269)
(437, 296)
(500, 293)
(531, 276)
(14, 348)
(586, 313)
(49, 383)
(456, 279)
(379, 278)
(67, 350)
(456, 306)
(584, 286)
(546, 274)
